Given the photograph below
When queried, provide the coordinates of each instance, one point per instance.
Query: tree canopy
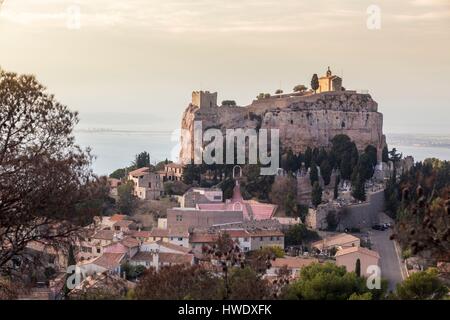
(423, 285)
(47, 188)
(326, 282)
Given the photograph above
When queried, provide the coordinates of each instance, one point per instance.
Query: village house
(159, 234)
(201, 218)
(203, 208)
(113, 185)
(251, 209)
(107, 262)
(292, 264)
(92, 246)
(107, 222)
(49, 255)
(128, 246)
(124, 225)
(200, 240)
(140, 235)
(161, 246)
(195, 196)
(177, 235)
(339, 241)
(110, 283)
(161, 259)
(172, 172)
(348, 257)
(147, 185)
(249, 240)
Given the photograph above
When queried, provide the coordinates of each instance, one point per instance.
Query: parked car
(379, 227)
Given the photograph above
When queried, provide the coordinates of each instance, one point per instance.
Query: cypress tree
(315, 82)
(358, 268)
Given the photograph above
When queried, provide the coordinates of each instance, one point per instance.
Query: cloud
(209, 16)
(433, 16)
(184, 15)
(430, 3)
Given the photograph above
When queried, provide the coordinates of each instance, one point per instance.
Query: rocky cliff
(303, 120)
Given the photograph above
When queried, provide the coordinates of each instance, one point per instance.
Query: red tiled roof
(160, 233)
(115, 248)
(123, 223)
(253, 234)
(178, 232)
(130, 242)
(360, 250)
(139, 172)
(251, 209)
(203, 238)
(293, 262)
(174, 258)
(143, 256)
(174, 165)
(109, 260)
(104, 235)
(174, 247)
(139, 234)
(118, 217)
(334, 241)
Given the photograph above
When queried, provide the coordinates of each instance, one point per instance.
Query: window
(149, 184)
(179, 217)
(246, 239)
(261, 239)
(180, 239)
(86, 249)
(98, 250)
(271, 238)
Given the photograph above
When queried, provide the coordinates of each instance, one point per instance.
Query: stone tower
(204, 99)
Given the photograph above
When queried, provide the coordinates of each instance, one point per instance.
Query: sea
(115, 144)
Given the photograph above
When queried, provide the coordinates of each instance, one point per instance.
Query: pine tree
(142, 160)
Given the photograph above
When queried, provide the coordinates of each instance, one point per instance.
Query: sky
(136, 62)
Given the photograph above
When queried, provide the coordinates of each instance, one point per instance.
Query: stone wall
(363, 215)
(309, 120)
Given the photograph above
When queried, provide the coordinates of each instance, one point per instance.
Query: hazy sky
(136, 56)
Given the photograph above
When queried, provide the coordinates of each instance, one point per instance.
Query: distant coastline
(115, 148)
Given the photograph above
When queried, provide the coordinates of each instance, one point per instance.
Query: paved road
(391, 266)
